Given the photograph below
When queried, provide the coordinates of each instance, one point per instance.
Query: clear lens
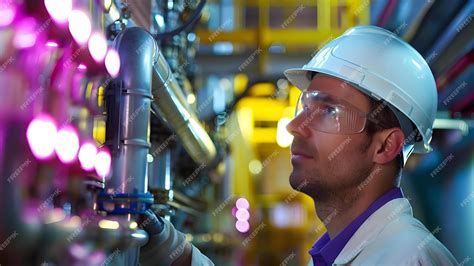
(327, 113)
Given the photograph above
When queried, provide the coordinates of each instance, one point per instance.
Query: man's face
(328, 164)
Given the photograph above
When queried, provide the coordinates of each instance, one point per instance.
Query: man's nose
(298, 127)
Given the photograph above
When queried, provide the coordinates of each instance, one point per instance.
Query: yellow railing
(333, 17)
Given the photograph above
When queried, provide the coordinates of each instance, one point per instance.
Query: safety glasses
(330, 114)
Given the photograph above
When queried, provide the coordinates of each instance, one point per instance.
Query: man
(368, 101)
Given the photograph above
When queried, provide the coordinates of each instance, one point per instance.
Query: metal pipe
(143, 66)
(173, 107)
(129, 112)
(169, 100)
(128, 120)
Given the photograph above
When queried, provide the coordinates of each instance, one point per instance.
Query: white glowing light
(112, 62)
(67, 144)
(58, 9)
(102, 163)
(242, 203)
(51, 44)
(87, 155)
(79, 26)
(97, 46)
(6, 16)
(242, 226)
(283, 137)
(41, 135)
(242, 214)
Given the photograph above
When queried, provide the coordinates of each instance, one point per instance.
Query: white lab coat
(392, 236)
(199, 259)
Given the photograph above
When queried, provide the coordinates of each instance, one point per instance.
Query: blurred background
(186, 115)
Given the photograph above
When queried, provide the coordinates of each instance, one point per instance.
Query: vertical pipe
(129, 112)
(128, 115)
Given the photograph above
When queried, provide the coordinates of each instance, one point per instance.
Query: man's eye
(331, 110)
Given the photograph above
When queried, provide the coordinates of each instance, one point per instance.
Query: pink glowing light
(242, 203)
(79, 26)
(242, 226)
(51, 44)
(103, 162)
(67, 144)
(87, 154)
(242, 214)
(41, 135)
(6, 16)
(58, 9)
(82, 67)
(234, 211)
(112, 62)
(25, 35)
(97, 46)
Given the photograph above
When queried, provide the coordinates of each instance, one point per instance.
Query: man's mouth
(297, 154)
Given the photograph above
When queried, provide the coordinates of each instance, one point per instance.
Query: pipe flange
(124, 203)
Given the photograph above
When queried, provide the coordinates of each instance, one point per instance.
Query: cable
(186, 25)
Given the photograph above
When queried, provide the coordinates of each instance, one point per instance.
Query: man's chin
(298, 181)
(309, 184)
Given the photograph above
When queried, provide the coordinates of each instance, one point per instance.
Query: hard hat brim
(298, 77)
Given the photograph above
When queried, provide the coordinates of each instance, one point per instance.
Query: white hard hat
(383, 66)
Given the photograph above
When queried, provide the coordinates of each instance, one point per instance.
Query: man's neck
(337, 213)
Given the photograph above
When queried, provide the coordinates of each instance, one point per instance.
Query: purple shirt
(325, 250)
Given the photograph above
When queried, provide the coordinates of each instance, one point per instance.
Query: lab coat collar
(369, 230)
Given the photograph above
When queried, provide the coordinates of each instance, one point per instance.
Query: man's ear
(389, 144)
